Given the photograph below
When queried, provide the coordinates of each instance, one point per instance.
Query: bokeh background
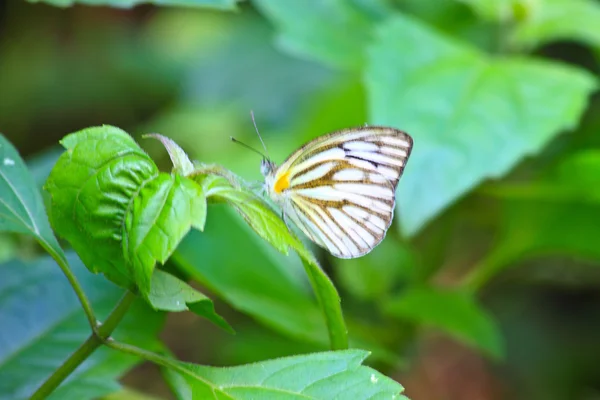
(488, 284)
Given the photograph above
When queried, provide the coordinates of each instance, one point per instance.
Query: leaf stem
(98, 337)
(154, 358)
(64, 266)
(146, 355)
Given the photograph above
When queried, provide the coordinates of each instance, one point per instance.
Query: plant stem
(82, 353)
(97, 338)
(116, 315)
(64, 266)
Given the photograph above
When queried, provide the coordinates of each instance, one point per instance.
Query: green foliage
(240, 268)
(473, 116)
(536, 217)
(91, 188)
(46, 324)
(268, 225)
(335, 34)
(107, 192)
(538, 22)
(216, 4)
(169, 293)
(375, 277)
(477, 83)
(162, 212)
(452, 311)
(314, 376)
(21, 206)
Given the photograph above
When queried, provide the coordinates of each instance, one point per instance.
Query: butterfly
(339, 189)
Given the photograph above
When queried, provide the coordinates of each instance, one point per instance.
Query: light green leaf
(329, 375)
(535, 23)
(454, 312)
(162, 213)
(169, 293)
(216, 4)
(553, 20)
(91, 188)
(268, 225)
(119, 213)
(47, 324)
(181, 162)
(471, 116)
(21, 206)
(335, 32)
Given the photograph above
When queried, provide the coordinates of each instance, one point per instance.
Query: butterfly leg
(285, 221)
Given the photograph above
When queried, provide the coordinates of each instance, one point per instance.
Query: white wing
(342, 187)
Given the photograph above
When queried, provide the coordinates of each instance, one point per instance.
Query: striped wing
(342, 187)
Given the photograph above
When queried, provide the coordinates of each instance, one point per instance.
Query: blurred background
(488, 284)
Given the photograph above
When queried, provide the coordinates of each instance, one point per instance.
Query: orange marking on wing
(282, 183)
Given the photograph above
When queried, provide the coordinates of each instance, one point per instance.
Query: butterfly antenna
(258, 133)
(248, 147)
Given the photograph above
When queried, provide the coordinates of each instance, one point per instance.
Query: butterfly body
(339, 189)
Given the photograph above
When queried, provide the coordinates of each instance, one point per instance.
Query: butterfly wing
(341, 191)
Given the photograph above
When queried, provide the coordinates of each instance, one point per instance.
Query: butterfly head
(267, 167)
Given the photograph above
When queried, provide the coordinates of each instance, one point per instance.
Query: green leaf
(536, 217)
(471, 116)
(503, 11)
(169, 293)
(543, 21)
(553, 20)
(329, 375)
(215, 4)
(335, 33)
(268, 225)
(129, 394)
(91, 188)
(163, 212)
(454, 312)
(47, 324)
(374, 277)
(241, 268)
(181, 162)
(21, 206)
(119, 213)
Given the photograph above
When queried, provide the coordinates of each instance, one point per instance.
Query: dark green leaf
(263, 220)
(537, 216)
(233, 262)
(471, 116)
(373, 277)
(47, 324)
(335, 33)
(329, 375)
(21, 206)
(216, 4)
(129, 394)
(169, 293)
(453, 312)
